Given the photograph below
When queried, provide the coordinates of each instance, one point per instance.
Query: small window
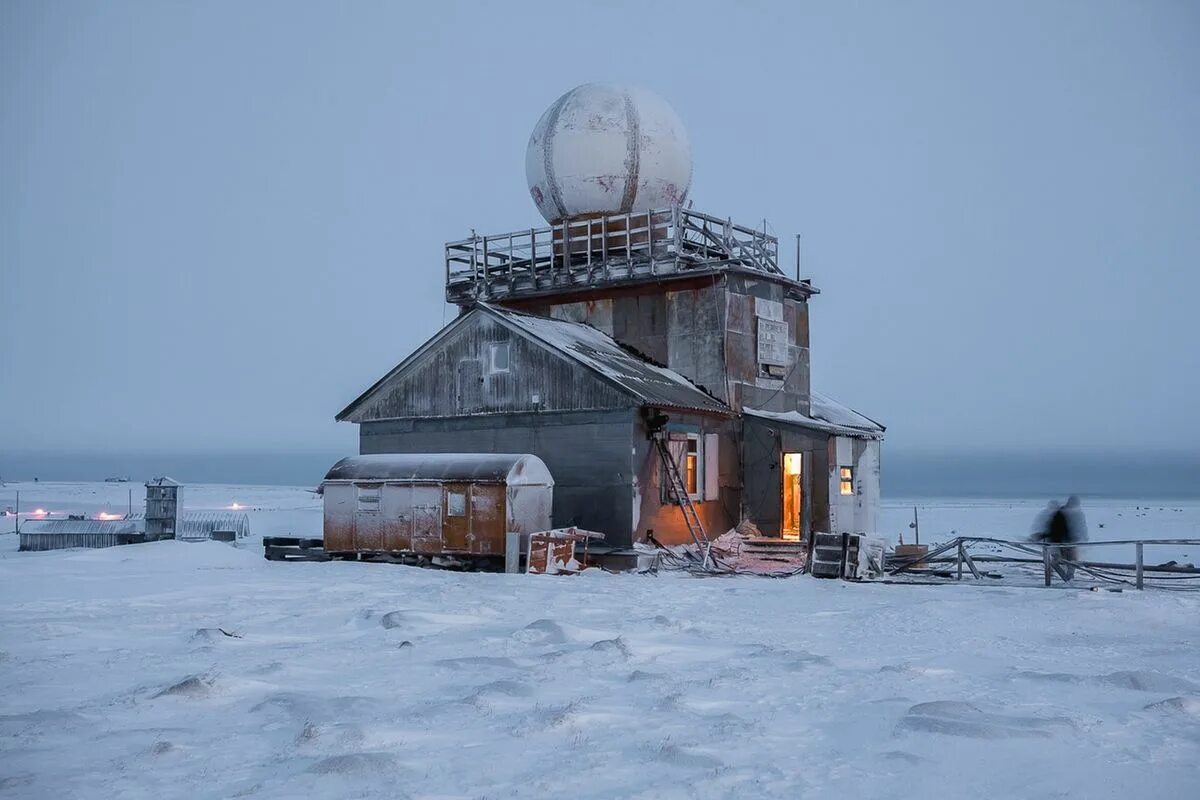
(498, 360)
(687, 453)
(456, 504)
(368, 498)
(846, 478)
(692, 467)
(772, 371)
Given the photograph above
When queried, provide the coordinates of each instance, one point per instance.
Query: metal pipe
(797, 258)
(650, 236)
(566, 238)
(604, 243)
(533, 258)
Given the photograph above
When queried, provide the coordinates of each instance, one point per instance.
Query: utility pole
(797, 258)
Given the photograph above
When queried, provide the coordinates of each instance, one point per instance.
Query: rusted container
(434, 504)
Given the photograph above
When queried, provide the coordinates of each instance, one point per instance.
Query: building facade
(580, 373)
(642, 349)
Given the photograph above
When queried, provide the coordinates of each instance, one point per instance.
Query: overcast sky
(220, 222)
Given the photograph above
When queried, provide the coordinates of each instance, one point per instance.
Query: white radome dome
(603, 149)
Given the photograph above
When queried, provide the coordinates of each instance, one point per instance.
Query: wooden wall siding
(763, 443)
(454, 378)
(637, 320)
(588, 454)
(640, 322)
(597, 313)
(695, 346)
(666, 519)
(704, 329)
(741, 348)
(859, 512)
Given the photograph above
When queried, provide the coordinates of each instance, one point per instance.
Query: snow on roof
(163, 481)
(826, 414)
(602, 354)
(510, 468)
(825, 408)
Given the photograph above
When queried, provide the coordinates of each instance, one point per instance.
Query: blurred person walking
(1062, 525)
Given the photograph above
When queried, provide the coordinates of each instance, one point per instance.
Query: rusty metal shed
(434, 504)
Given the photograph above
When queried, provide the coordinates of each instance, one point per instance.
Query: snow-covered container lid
(513, 469)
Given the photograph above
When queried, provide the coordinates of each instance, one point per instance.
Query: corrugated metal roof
(633, 372)
(510, 468)
(826, 415)
(81, 526)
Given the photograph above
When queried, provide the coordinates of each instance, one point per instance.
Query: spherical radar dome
(607, 150)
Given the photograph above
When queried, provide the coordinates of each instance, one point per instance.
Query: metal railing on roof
(583, 252)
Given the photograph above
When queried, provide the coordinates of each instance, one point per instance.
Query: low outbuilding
(441, 504)
(63, 534)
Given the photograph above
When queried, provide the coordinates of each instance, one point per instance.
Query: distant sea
(1027, 475)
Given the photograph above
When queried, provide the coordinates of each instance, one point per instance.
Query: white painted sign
(772, 343)
(768, 309)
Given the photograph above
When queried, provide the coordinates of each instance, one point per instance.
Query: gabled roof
(413, 356)
(828, 415)
(635, 373)
(629, 371)
(163, 481)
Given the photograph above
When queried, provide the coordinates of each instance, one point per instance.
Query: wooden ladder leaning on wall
(680, 493)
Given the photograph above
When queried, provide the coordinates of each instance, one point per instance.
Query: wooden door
(427, 520)
(793, 496)
(368, 521)
(396, 510)
(456, 520)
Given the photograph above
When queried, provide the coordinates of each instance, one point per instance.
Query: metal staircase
(680, 494)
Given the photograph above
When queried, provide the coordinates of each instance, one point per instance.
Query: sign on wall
(768, 309)
(772, 342)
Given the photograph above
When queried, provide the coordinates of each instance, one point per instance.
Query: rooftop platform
(607, 251)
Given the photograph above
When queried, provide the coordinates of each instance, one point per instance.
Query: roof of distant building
(163, 481)
(78, 526)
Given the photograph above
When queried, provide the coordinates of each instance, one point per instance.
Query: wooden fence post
(1046, 562)
(1139, 565)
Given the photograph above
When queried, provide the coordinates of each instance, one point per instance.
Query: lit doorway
(793, 496)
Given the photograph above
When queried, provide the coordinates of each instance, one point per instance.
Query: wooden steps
(770, 546)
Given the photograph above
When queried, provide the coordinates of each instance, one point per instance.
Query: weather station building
(630, 330)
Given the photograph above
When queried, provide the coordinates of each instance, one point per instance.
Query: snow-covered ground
(348, 680)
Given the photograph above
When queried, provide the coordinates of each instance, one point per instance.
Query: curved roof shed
(511, 469)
